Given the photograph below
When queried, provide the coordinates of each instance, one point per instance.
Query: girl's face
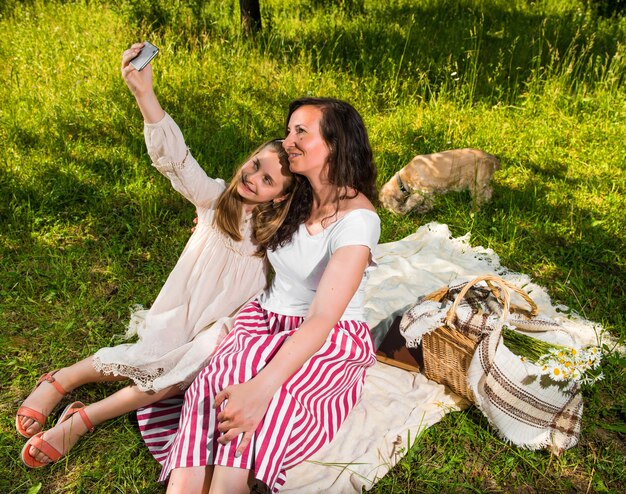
(262, 179)
(308, 151)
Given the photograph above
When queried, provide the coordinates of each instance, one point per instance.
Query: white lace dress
(212, 279)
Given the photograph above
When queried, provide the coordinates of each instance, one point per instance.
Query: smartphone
(147, 53)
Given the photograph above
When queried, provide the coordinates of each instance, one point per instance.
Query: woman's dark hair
(351, 161)
(298, 212)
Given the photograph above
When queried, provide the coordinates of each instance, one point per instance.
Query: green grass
(88, 228)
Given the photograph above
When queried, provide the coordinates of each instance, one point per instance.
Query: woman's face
(262, 178)
(307, 150)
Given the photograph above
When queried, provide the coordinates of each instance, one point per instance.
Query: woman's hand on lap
(246, 405)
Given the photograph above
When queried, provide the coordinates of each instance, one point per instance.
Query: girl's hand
(245, 408)
(139, 82)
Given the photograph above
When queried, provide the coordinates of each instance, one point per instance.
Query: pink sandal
(34, 414)
(38, 442)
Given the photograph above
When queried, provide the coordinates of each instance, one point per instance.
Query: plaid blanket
(526, 410)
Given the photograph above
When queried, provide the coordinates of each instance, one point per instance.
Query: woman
(283, 381)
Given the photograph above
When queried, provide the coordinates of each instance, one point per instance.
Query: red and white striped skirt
(304, 414)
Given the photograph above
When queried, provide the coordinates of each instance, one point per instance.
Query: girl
(280, 385)
(219, 270)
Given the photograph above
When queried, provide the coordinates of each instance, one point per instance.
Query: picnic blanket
(397, 405)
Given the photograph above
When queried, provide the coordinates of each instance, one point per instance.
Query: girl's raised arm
(140, 84)
(164, 140)
(171, 156)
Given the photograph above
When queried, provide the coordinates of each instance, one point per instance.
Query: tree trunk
(250, 16)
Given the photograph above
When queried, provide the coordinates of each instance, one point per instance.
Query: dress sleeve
(171, 157)
(359, 227)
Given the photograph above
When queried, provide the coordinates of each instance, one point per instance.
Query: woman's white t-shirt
(299, 265)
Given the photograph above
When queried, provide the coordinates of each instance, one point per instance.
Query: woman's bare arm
(248, 402)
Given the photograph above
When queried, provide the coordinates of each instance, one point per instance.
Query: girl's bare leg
(229, 480)
(63, 436)
(45, 396)
(209, 480)
(189, 480)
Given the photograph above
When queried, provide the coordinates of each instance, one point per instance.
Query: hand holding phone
(147, 53)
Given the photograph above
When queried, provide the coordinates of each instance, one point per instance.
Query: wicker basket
(448, 351)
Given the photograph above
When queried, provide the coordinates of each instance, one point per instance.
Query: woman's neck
(325, 196)
(326, 204)
(327, 199)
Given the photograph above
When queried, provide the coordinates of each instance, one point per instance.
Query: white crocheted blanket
(397, 405)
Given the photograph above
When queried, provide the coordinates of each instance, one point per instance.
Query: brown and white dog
(414, 186)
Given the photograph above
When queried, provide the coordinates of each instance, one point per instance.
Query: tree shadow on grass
(97, 168)
(419, 47)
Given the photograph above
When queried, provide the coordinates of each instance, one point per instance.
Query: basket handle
(505, 297)
(532, 312)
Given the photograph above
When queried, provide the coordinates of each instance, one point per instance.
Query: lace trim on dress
(170, 166)
(144, 379)
(231, 244)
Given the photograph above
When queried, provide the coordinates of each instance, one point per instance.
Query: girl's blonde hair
(267, 217)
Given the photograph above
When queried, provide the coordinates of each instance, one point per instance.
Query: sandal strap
(78, 408)
(49, 377)
(86, 421)
(38, 417)
(42, 445)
